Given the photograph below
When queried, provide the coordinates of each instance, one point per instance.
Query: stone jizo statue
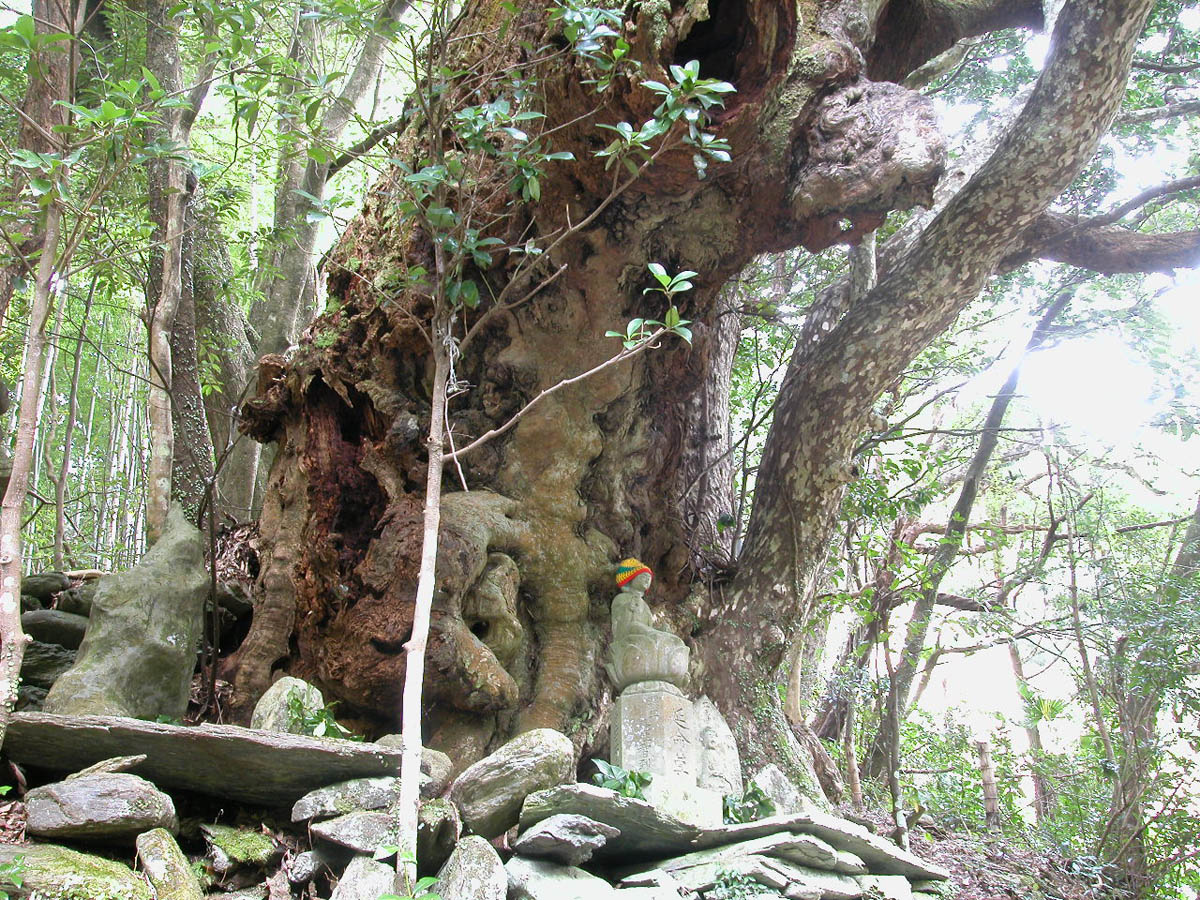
(640, 651)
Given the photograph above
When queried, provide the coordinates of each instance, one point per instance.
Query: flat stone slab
(645, 832)
(258, 767)
(880, 855)
(803, 850)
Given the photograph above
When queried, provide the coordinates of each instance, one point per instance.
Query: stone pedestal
(654, 730)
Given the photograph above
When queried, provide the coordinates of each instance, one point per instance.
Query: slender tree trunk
(64, 469)
(192, 468)
(12, 638)
(991, 795)
(956, 529)
(408, 804)
(168, 188)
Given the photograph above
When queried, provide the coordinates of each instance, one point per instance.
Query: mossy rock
(239, 847)
(52, 871)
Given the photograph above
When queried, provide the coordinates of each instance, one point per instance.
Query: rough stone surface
(104, 806)
(273, 711)
(679, 796)
(645, 832)
(365, 879)
(880, 854)
(877, 853)
(362, 832)
(56, 872)
(786, 797)
(55, 627)
(473, 872)
(720, 764)
(306, 866)
(167, 868)
(889, 887)
(439, 826)
(490, 793)
(254, 767)
(78, 600)
(346, 797)
(44, 663)
(532, 879)
(45, 585)
(436, 766)
(796, 849)
(567, 840)
(139, 652)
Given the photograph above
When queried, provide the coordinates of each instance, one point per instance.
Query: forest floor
(995, 866)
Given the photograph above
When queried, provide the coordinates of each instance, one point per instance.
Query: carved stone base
(653, 731)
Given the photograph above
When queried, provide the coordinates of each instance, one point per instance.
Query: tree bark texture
(601, 470)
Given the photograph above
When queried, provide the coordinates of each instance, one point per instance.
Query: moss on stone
(52, 871)
(241, 845)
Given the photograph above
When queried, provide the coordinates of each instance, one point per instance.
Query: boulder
(232, 848)
(140, 649)
(53, 626)
(365, 879)
(30, 698)
(167, 868)
(306, 866)
(532, 879)
(44, 663)
(284, 704)
(565, 839)
(436, 766)
(645, 833)
(362, 832)
(887, 887)
(490, 793)
(45, 585)
(52, 871)
(346, 797)
(779, 788)
(720, 764)
(273, 769)
(439, 826)
(473, 872)
(100, 806)
(78, 600)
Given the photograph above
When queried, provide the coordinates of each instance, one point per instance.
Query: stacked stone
(807, 855)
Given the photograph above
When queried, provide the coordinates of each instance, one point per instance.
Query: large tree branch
(910, 34)
(824, 399)
(1175, 110)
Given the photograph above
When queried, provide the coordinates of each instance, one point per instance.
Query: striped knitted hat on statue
(630, 569)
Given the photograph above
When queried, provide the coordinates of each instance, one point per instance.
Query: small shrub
(317, 722)
(750, 807)
(623, 781)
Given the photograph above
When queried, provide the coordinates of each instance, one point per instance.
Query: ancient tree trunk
(600, 470)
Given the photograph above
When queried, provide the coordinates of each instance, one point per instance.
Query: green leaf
(25, 28)
(685, 333)
(672, 317)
